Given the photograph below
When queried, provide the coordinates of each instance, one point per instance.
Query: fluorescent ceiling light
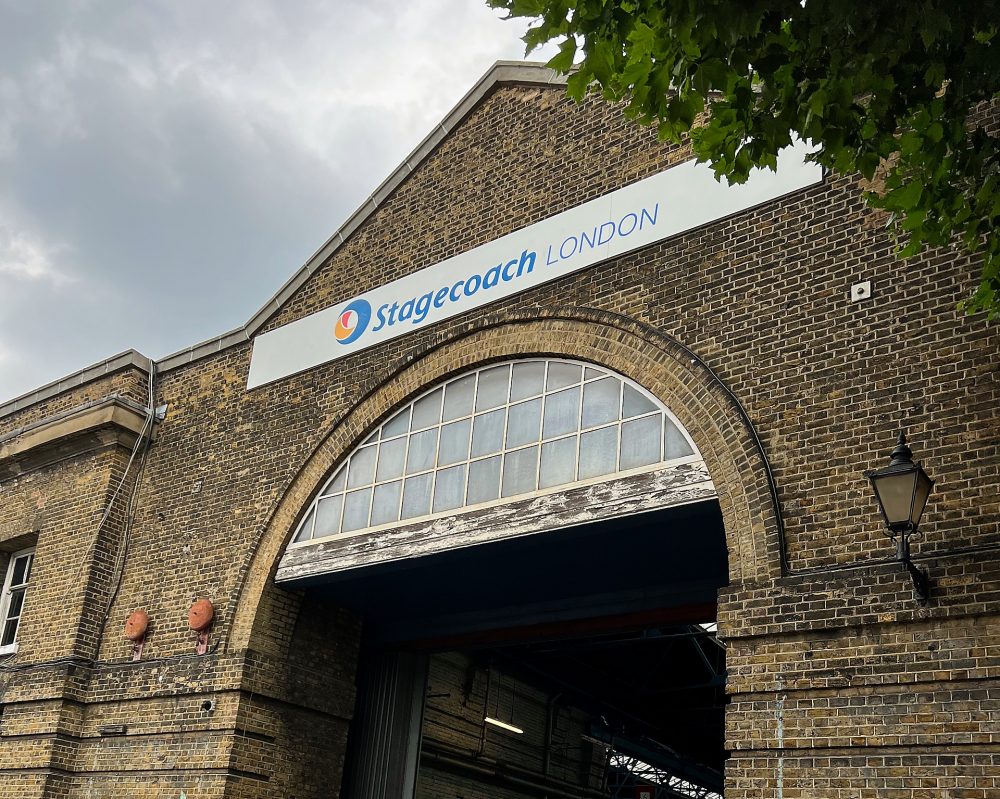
(504, 725)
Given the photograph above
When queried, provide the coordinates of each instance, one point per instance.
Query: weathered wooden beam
(674, 485)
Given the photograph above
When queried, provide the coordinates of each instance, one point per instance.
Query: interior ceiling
(627, 573)
(661, 688)
(606, 614)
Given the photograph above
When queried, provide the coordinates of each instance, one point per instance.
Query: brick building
(667, 438)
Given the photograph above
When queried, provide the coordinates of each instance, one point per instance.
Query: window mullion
(573, 438)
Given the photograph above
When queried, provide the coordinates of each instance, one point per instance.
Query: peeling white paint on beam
(676, 485)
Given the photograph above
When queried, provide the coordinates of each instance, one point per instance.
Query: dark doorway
(594, 645)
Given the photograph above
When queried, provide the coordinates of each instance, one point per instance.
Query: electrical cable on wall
(144, 441)
(144, 434)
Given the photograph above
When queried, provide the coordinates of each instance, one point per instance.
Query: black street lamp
(902, 489)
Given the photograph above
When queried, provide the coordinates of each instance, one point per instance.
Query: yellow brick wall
(761, 297)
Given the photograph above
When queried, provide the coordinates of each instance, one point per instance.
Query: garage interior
(580, 662)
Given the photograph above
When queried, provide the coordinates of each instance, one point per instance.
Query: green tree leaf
(901, 96)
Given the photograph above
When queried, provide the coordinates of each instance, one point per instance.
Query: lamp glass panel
(895, 494)
(923, 490)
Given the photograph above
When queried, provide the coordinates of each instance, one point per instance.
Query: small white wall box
(861, 291)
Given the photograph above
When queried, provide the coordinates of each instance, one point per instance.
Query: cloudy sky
(166, 166)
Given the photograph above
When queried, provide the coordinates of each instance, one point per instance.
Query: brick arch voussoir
(646, 355)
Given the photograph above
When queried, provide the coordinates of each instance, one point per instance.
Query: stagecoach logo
(352, 321)
(683, 197)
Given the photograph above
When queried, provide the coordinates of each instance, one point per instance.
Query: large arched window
(495, 435)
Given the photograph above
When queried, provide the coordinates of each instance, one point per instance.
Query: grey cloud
(178, 160)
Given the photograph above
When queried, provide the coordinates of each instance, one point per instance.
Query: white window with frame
(15, 587)
(494, 435)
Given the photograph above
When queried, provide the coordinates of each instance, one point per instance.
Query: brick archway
(661, 365)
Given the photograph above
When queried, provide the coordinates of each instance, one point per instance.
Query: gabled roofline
(502, 72)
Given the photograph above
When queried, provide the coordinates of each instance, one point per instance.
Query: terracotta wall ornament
(136, 626)
(200, 620)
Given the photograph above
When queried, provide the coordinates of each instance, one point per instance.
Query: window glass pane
(522, 422)
(641, 442)
(449, 488)
(484, 481)
(423, 448)
(600, 402)
(361, 468)
(454, 446)
(500, 409)
(458, 397)
(636, 404)
(598, 452)
(20, 570)
(674, 443)
(9, 632)
(527, 380)
(487, 433)
(372, 438)
(520, 469)
(305, 529)
(397, 425)
(328, 516)
(492, 390)
(338, 482)
(15, 604)
(561, 375)
(390, 459)
(356, 510)
(385, 505)
(562, 413)
(558, 462)
(417, 496)
(427, 411)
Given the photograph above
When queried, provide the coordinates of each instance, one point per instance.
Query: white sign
(683, 197)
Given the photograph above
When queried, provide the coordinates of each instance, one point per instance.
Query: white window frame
(694, 457)
(5, 596)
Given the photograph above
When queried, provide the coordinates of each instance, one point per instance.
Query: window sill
(10, 649)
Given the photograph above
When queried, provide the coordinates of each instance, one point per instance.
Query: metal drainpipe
(486, 712)
(549, 725)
